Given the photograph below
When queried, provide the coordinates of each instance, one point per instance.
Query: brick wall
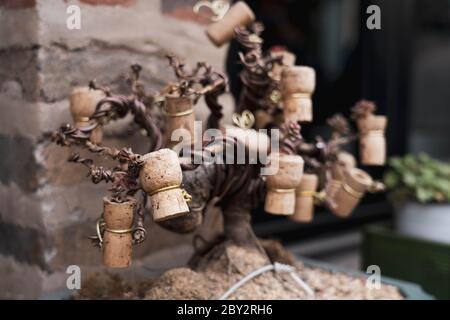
(47, 208)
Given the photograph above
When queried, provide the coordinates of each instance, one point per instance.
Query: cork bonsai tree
(184, 173)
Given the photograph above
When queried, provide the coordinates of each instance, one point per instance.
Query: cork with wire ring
(344, 161)
(372, 140)
(281, 186)
(355, 184)
(180, 119)
(297, 86)
(222, 31)
(305, 195)
(117, 240)
(83, 101)
(161, 179)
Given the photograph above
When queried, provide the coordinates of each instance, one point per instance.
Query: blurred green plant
(418, 178)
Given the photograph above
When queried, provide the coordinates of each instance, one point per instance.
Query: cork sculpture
(152, 184)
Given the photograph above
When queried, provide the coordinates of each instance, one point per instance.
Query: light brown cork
(280, 196)
(351, 190)
(179, 114)
(162, 170)
(83, 102)
(304, 199)
(222, 31)
(117, 247)
(344, 161)
(297, 109)
(372, 142)
(297, 86)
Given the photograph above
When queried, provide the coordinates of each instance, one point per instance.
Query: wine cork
(83, 102)
(117, 237)
(344, 161)
(222, 31)
(351, 190)
(280, 196)
(297, 86)
(180, 119)
(298, 108)
(304, 198)
(372, 140)
(288, 60)
(161, 178)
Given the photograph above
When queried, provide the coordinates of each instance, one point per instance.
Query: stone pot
(425, 221)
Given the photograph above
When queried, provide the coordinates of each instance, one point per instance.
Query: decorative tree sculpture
(175, 190)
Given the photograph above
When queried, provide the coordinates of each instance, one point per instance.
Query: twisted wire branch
(203, 80)
(232, 182)
(118, 106)
(124, 182)
(255, 77)
(291, 138)
(362, 109)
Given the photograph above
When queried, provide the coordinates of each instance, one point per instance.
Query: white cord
(278, 267)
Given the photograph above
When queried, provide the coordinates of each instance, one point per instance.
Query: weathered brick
(109, 2)
(26, 245)
(20, 208)
(71, 246)
(182, 9)
(19, 280)
(17, 4)
(18, 162)
(19, 117)
(21, 66)
(104, 63)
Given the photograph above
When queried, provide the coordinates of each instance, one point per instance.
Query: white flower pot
(425, 221)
